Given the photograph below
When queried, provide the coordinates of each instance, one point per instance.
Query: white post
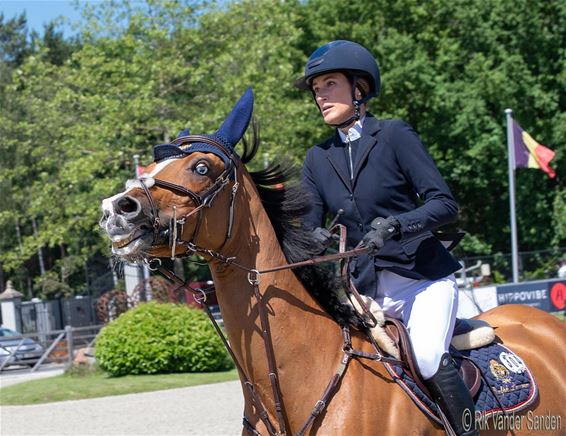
(511, 162)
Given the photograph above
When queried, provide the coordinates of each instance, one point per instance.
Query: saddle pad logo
(513, 362)
(498, 370)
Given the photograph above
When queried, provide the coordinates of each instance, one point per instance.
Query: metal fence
(533, 265)
(57, 346)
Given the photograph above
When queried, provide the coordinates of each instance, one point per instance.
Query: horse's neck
(296, 322)
(306, 342)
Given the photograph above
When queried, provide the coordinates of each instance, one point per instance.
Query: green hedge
(160, 338)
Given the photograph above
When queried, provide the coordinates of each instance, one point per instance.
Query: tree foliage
(75, 111)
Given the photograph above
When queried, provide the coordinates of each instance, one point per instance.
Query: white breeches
(428, 309)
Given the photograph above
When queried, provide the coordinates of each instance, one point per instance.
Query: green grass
(75, 385)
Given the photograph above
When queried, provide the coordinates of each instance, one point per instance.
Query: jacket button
(361, 226)
(351, 197)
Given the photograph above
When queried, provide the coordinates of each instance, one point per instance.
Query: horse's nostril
(127, 205)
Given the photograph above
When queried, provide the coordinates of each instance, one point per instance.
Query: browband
(185, 142)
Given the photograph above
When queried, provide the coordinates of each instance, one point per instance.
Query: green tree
(57, 48)
(75, 111)
(13, 51)
(14, 46)
(450, 69)
(114, 97)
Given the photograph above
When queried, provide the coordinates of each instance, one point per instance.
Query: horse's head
(162, 212)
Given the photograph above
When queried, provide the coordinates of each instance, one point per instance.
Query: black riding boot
(452, 396)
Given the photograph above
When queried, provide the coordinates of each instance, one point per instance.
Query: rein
(254, 277)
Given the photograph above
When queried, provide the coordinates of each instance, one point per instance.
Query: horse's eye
(201, 168)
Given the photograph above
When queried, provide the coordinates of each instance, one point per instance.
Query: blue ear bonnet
(229, 134)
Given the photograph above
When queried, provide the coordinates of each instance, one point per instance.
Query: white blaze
(134, 183)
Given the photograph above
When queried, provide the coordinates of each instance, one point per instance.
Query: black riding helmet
(348, 57)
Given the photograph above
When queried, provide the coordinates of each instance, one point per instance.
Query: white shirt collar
(355, 132)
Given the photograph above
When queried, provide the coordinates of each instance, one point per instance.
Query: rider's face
(333, 95)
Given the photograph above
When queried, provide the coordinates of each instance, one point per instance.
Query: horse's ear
(184, 132)
(236, 123)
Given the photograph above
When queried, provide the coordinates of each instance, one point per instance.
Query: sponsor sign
(548, 295)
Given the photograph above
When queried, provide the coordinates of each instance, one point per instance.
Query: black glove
(322, 239)
(383, 229)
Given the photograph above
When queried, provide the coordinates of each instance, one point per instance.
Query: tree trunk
(39, 250)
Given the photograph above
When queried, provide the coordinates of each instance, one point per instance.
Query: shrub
(160, 338)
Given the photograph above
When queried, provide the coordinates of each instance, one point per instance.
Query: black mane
(286, 204)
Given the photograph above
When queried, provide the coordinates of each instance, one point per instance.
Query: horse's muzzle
(127, 225)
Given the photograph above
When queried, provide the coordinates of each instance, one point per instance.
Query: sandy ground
(214, 409)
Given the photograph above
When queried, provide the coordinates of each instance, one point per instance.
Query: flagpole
(511, 163)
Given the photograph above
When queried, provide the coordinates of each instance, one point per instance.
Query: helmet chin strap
(352, 119)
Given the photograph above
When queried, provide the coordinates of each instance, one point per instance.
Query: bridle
(200, 201)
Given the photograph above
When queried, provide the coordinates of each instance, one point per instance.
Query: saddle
(391, 336)
(471, 375)
(498, 379)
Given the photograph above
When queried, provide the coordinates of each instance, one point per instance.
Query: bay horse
(199, 197)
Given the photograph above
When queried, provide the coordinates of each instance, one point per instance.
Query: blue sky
(40, 12)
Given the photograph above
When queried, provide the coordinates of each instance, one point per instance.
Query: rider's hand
(322, 239)
(383, 229)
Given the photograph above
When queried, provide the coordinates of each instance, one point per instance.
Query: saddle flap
(471, 376)
(400, 336)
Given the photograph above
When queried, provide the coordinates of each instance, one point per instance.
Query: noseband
(200, 201)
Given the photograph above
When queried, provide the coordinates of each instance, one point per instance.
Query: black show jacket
(393, 176)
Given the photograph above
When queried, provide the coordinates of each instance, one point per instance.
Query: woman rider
(377, 177)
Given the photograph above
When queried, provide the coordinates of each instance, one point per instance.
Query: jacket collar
(355, 132)
(368, 140)
(336, 153)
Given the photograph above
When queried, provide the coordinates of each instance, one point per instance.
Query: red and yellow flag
(529, 153)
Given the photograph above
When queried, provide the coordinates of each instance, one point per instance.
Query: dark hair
(361, 81)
